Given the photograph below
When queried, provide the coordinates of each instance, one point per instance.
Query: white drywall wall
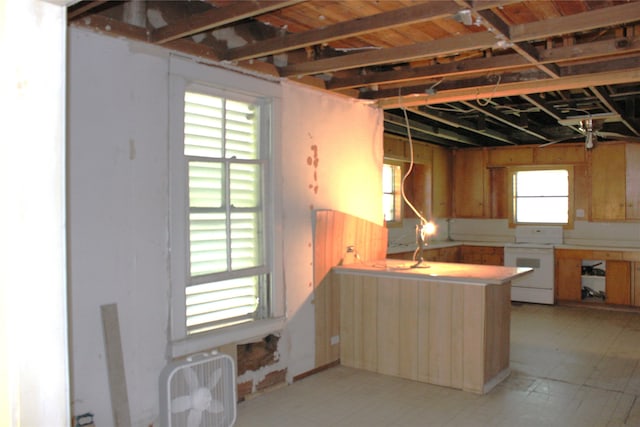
(119, 207)
(34, 375)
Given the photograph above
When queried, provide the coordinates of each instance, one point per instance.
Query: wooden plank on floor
(115, 366)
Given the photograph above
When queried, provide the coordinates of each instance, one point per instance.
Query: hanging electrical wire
(486, 101)
(409, 169)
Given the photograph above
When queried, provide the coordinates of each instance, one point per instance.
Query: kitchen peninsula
(442, 323)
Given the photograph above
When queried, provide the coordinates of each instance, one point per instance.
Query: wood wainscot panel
(440, 332)
(333, 232)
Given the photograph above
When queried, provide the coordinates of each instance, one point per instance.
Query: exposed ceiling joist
(430, 49)
(458, 123)
(501, 117)
(580, 22)
(628, 75)
(215, 18)
(430, 130)
(394, 18)
(495, 72)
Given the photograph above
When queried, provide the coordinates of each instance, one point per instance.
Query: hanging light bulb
(588, 142)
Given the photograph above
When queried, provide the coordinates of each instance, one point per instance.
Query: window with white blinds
(228, 273)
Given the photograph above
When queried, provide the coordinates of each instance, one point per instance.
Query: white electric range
(533, 247)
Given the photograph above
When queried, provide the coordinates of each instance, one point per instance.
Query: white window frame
(186, 75)
(512, 171)
(397, 192)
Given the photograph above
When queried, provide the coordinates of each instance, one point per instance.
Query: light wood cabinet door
(608, 182)
(618, 282)
(441, 184)
(635, 283)
(633, 181)
(568, 279)
(469, 184)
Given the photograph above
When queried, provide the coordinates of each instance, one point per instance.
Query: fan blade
(216, 377)
(546, 144)
(617, 136)
(191, 378)
(180, 404)
(194, 419)
(215, 406)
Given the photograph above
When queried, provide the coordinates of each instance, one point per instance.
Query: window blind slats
(213, 302)
(223, 239)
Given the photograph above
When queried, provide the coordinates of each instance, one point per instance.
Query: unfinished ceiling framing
(457, 73)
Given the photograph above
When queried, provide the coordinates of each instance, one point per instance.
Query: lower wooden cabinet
(568, 273)
(618, 282)
(468, 254)
(635, 283)
(619, 276)
(487, 255)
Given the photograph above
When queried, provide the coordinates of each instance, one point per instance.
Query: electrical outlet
(335, 339)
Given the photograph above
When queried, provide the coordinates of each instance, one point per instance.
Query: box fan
(199, 391)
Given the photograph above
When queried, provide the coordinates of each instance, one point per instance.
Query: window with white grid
(223, 153)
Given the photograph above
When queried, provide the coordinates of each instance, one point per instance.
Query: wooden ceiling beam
(629, 74)
(601, 50)
(585, 21)
(434, 48)
(430, 130)
(82, 8)
(513, 34)
(523, 48)
(112, 27)
(503, 118)
(383, 21)
(454, 121)
(610, 104)
(437, 71)
(217, 17)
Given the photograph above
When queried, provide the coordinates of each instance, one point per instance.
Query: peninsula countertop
(442, 271)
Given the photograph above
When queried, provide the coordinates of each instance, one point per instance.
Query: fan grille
(188, 387)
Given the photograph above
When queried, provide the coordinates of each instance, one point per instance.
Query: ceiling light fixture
(586, 126)
(464, 16)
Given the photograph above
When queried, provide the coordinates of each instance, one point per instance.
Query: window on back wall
(541, 195)
(391, 193)
(228, 273)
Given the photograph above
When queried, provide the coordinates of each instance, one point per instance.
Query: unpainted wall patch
(272, 379)
(253, 356)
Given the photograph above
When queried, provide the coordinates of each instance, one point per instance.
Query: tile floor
(571, 366)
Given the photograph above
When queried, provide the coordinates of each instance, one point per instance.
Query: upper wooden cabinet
(470, 180)
(441, 183)
(615, 182)
(633, 181)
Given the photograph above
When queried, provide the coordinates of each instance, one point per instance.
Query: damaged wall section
(256, 363)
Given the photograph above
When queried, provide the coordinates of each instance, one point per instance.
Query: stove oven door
(538, 286)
